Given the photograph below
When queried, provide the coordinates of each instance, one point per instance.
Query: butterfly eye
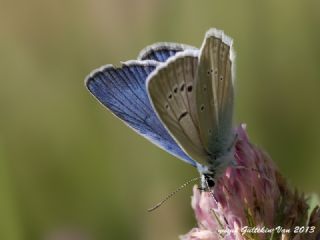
(202, 108)
(170, 96)
(221, 78)
(189, 88)
(182, 87)
(210, 182)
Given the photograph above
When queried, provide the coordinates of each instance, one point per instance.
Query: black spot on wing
(182, 115)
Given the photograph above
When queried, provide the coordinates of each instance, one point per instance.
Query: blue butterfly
(178, 97)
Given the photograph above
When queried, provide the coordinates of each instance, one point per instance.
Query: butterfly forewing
(171, 89)
(214, 93)
(123, 91)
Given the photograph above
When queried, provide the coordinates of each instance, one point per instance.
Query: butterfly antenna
(172, 194)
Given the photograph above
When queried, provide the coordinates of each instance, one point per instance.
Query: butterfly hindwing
(162, 51)
(171, 90)
(123, 91)
(214, 93)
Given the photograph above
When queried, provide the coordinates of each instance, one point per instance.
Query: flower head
(251, 201)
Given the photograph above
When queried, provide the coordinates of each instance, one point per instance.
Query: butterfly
(178, 97)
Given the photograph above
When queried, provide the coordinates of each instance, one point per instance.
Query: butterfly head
(217, 167)
(207, 181)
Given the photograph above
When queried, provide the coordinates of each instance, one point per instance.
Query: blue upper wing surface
(123, 91)
(161, 51)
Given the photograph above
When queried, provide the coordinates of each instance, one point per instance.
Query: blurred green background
(68, 165)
